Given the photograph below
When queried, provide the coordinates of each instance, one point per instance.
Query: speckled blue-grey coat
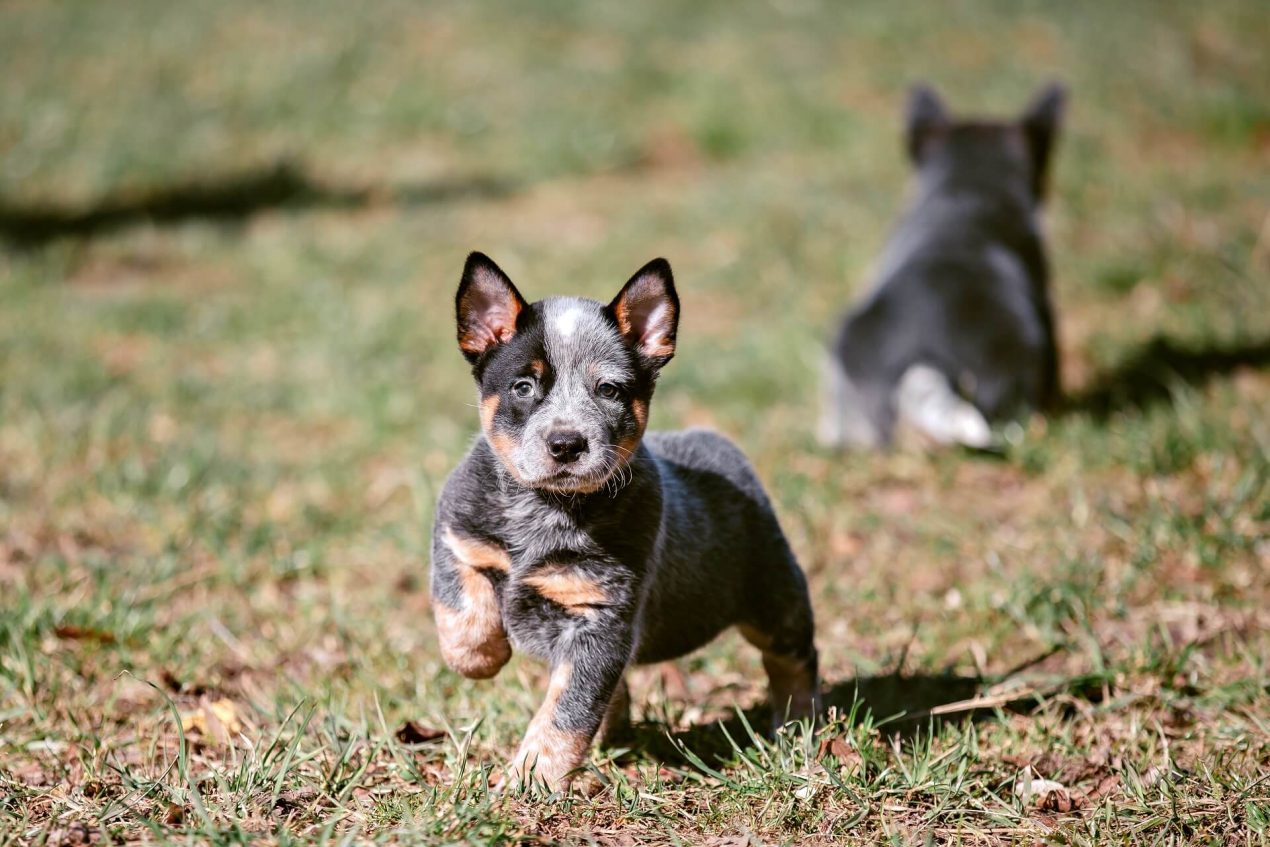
(567, 534)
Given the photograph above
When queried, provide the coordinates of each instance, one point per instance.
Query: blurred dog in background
(957, 332)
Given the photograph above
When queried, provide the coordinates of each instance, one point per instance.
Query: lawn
(229, 393)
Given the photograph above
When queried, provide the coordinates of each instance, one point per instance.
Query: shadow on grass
(898, 705)
(227, 197)
(882, 696)
(1148, 375)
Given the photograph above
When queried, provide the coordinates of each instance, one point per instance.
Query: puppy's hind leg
(928, 401)
(843, 421)
(830, 431)
(790, 660)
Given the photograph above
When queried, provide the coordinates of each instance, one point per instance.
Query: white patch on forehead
(567, 322)
(580, 342)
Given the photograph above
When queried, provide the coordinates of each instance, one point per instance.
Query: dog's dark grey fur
(568, 535)
(958, 330)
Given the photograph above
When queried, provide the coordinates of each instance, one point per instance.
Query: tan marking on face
(505, 448)
(489, 408)
(580, 487)
(548, 752)
(565, 587)
(473, 640)
(539, 367)
(503, 444)
(639, 408)
(627, 446)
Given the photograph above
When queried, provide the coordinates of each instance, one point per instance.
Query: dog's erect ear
(486, 307)
(925, 114)
(1040, 125)
(646, 311)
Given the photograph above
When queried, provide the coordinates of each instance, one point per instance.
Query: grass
(229, 394)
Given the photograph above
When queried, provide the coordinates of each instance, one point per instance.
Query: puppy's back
(721, 550)
(709, 454)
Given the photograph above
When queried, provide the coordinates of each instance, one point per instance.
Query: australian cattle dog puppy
(957, 331)
(570, 535)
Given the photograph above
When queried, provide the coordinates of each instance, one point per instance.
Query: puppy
(958, 330)
(568, 534)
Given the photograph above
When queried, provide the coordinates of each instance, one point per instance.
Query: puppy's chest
(560, 573)
(535, 533)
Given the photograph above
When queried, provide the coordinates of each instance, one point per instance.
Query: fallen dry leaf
(216, 721)
(290, 801)
(746, 840)
(80, 633)
(837, 747)
(74, 835)
(1105, 786)
(411, 732)
(1045, 795)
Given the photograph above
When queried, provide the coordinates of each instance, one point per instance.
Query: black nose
(565, 445)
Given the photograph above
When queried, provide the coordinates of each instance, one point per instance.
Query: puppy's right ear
(486, 307)
(924, 116)
(1040, 125)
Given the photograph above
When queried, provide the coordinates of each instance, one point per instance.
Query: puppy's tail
(928, 401)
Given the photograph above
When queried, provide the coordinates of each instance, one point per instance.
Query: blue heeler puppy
(957, 330)
(568, 534)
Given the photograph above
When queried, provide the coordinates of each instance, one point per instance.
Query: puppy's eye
(607, 390)
(523, 388)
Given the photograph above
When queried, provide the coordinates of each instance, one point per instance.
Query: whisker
(620, 472)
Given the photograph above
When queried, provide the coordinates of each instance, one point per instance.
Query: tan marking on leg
(565, 587)
(473, 640)
(792, 685)
(477, 555)
(794, 691)
(547, 752)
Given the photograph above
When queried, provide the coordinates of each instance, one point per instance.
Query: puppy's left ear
(1040, 124)
(646, 311)
(924, 116)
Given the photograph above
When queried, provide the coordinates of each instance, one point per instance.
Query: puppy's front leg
(592, 641)
(465, 572)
